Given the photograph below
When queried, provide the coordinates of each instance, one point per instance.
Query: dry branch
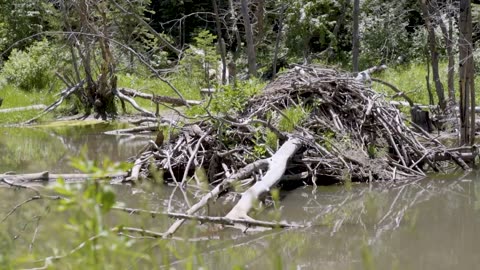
(157, 99)
(63, 95)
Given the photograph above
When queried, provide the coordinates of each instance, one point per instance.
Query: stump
(421, 118)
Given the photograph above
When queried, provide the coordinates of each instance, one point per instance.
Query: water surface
(420, 224)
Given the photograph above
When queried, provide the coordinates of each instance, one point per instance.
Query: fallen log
(149, 128)
(277, 165)
(27, 108)
(241, 174)
(132, 102)
(217, 220)
(49, 177)
(157, 99)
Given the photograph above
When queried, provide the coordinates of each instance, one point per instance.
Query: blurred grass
(411, 79)
(14, 97)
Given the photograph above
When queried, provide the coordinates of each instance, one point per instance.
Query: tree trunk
(252, 59)
(355, 35)
(277, 165)
(232, 66)
(447, 33)
(466, 82)
(427, 16)
(277, 41)
(260, 14)
(336, 29)
(221, 44)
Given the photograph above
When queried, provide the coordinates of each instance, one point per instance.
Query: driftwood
(27, 108)
(149, 128)
(348, 132)
(48, 177)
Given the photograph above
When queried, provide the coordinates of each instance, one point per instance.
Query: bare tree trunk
(232, 65)
(336, 29)
(251, 56)
(355, 35)
(260, 14)
(427, 16)
(447, 37)
(467, 91)
(276, 167)
(277, 41)
(221, 44)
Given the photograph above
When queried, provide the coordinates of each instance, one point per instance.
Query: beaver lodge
(312, 125)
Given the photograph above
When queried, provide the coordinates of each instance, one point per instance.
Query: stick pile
(348, 132)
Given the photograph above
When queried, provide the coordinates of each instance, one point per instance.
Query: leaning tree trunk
(251, 56)
(466, 81)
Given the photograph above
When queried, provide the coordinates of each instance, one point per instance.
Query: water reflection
(26, 150)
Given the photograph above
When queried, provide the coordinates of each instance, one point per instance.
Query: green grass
(150, 85)
(411, 79)
(15, 97)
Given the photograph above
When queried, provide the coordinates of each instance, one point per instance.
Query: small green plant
(234, 98)
(32, 68)
(271, 140)
(293, 116)
(200, 60)
(87, 204)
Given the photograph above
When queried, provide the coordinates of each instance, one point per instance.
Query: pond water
(433, 223)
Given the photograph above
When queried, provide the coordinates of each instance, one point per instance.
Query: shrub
(32, 68)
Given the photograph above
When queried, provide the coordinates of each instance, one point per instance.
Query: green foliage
(271, 140)
(384, 32)
(233, 99)
(33, 68)
(201, 61)
(20, 19)
(87, 204)
(309, 25)
(292, 117)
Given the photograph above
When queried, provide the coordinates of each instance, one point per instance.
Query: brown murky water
(432, 223)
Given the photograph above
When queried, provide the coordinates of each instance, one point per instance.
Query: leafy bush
(200, 61)
(234, 99)
(32, 68)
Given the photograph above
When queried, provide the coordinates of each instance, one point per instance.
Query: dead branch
(158, 99)
(63, 95)
(217, 220)
(134, 104)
